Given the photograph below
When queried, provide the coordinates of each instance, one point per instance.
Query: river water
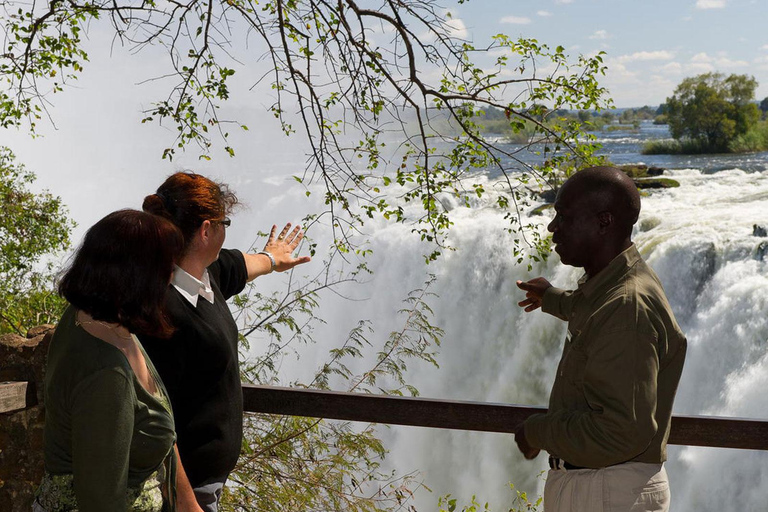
(699, 239)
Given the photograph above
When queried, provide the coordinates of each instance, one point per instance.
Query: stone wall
(21, 432)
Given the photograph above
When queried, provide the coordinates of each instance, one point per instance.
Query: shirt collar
(610, 274)
(190, 287)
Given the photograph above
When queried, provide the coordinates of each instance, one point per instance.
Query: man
(610, 407)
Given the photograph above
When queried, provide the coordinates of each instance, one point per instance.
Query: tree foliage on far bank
(710, 111)
(33, 226)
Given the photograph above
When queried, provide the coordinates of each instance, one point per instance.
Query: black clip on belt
(556, 463)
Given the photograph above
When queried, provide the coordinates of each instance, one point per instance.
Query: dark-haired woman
(199, 363)
(109, 431)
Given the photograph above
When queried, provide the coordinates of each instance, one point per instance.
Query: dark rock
(761, 251)
(635, 171)
(548, 195)
(539, 210)
(645, 183)
(758, 230)
(40, 330)
(21, 432)
(641, 171)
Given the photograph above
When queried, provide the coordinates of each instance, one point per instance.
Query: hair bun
(154, 204)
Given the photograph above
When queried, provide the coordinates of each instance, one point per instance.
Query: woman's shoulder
(75, 354)
(229, 272)
(229, 260)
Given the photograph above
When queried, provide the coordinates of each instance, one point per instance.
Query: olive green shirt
(611, 401)
(106, 436)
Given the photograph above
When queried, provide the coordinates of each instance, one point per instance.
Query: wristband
(271, 259)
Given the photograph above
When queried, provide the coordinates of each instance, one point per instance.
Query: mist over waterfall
(699, 239)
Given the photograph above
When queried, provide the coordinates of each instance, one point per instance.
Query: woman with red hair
(199, 363)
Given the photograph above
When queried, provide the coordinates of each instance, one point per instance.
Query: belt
(557, 463)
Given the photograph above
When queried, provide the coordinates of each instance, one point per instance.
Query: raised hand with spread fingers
(277, 254)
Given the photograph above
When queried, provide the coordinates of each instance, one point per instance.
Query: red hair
(187, 199)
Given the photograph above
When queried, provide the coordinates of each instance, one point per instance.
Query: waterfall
(699, 239)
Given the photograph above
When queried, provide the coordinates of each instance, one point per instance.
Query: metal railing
(718, 432)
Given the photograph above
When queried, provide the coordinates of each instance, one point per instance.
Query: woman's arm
(102, 430)
(185, 495)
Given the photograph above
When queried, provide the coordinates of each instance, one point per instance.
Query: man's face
(576, 227)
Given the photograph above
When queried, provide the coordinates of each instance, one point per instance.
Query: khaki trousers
(628, 487)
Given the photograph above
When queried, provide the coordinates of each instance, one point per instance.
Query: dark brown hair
(120, 272)
(187, 199)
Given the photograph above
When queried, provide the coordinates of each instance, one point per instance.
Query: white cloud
(647, 56)
(672, 67)
(516, 20)
(699, 67)
(544, 13)
(701, 57)
(764, 47)
(561, 2)
(710, 4)
(600, 34)
(761, 63)
(704, 62)
(728, 63)
(458, 28)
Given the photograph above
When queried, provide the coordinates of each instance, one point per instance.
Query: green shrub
(33, 227)
(662, 147)
(754, 140)
(676, 147)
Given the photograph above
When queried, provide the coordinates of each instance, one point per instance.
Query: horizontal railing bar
(483, 417)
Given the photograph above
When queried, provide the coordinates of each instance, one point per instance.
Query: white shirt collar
(190, 287)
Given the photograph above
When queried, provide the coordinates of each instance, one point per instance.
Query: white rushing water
(699, 239)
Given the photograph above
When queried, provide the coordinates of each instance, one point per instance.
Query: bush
(662, 147)
(32, 227)
(754, 140)
(675, 147)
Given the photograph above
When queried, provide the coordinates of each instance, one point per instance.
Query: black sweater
(199, 367)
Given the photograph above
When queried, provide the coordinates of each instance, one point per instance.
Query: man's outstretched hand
(534, 293)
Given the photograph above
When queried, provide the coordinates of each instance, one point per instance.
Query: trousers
(628, 487)
(209, 495)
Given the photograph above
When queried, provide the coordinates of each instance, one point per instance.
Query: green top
(612, 397)
(108, 441)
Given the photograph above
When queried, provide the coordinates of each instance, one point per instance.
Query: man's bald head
(607, 189)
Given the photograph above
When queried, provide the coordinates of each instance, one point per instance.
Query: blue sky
(651, 45)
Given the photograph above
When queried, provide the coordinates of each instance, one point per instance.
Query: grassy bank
(753, 141)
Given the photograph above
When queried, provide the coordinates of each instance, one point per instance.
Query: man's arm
(528, 451)
(281, 249)
(539, 293)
